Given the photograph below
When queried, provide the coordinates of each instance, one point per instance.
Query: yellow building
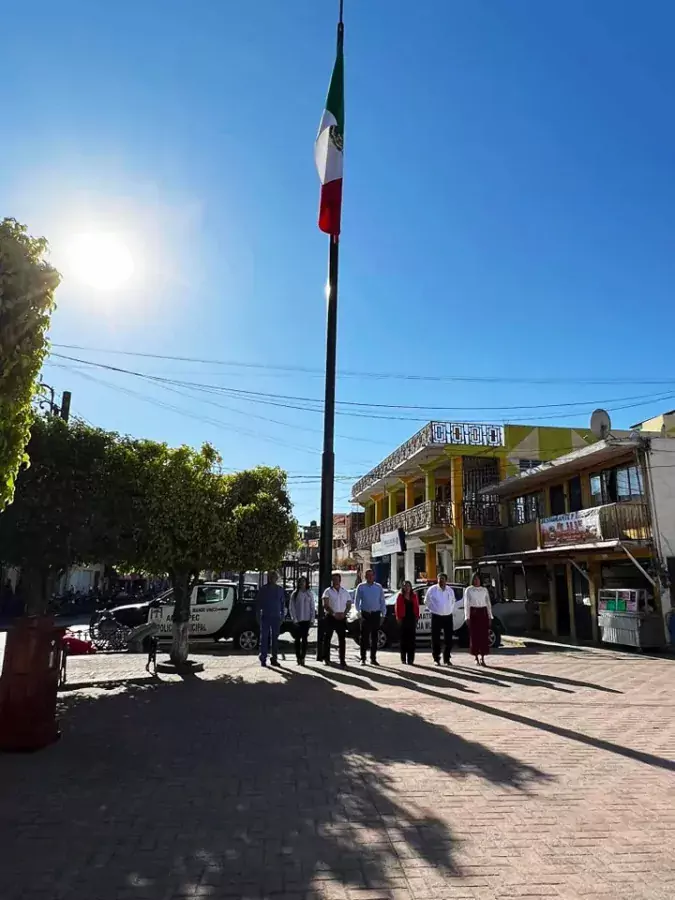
(431, 487)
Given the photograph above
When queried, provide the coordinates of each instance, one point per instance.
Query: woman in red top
(407, 613)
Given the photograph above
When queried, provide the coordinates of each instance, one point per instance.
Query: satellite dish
(600, 423)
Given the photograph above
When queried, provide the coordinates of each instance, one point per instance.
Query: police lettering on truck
(210, 608)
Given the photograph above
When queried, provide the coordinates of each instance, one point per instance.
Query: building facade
(432, 487)
(595, 521)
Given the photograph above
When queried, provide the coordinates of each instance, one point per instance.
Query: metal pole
(328, 457)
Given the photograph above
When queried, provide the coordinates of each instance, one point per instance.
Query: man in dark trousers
(271, 610)
(440, 601)
(370, 603)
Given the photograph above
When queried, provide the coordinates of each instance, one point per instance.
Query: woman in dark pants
(302, 608)
(407, 613)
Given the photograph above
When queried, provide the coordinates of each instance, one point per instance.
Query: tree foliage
(27, 285)
(62, 513)
(90, 496)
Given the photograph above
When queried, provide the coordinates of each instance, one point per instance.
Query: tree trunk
(34, 590)
(181, 619)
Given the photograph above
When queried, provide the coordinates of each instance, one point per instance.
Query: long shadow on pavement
(222, 788)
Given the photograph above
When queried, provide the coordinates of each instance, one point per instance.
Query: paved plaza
(549, 775)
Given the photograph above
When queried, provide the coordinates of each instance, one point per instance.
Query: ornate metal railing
(416, 443)
(466, 434)
(417, 518)
(481, 513)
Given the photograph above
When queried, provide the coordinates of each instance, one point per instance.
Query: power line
(281, 399)
(383, 375)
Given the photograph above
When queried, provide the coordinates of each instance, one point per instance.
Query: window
(616, 485)
(209, 594)
(597, 493)
(525, 509)
(526, 464)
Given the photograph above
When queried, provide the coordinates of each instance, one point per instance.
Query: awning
(544, 553)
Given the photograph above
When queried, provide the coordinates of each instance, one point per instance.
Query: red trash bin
(28, 685)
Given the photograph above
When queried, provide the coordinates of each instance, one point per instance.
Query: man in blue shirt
(271, 610)
(371, 605)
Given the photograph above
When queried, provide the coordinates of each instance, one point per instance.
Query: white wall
(661, 465)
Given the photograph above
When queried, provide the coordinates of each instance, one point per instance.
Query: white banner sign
(390, 542)
(582, 527)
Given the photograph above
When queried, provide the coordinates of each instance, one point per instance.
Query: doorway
(576, 500)
(583, 620)
(557, 497)
(562, 601)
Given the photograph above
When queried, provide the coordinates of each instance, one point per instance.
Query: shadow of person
(557, 679)
(252, 788)
(412, 679)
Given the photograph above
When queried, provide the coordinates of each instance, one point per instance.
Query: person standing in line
(371, 605)
(336, 602)
(407, 614)
(440, 601)
(271, 610)
(302, 609)
(478, 609)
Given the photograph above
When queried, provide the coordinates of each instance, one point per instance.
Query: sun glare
(100, 260)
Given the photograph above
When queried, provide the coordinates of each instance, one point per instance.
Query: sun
(100, 260)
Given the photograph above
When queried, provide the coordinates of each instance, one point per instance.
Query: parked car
(216, 612)
(389, 628)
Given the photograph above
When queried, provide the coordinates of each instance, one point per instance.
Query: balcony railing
(626, 521)
(418, 518)
(465, 434)
(403, 453)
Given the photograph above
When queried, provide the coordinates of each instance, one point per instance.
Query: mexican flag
(328, 150)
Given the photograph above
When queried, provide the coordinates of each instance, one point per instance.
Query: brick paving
(552, 774)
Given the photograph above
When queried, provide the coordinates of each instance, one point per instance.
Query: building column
(446, 557)
(410, 566)
(409, 493)
(392, 494)
(393, 572)
(431, 565)
(457, 494)
(379, 508)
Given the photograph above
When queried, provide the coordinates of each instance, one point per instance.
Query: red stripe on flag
(330, 206)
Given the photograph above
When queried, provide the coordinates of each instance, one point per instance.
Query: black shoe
(437, 661)
(343, 665)
(404, 661)
(275, 662)
(326, 662)
(374, 662)
(448, 662)
(363, 662)
(411, 662)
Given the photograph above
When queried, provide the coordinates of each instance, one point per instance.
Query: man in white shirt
(440, 601)
(336, 602)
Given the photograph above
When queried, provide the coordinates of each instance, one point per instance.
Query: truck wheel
(246, 640)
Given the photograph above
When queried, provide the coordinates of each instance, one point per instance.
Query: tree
(27, 285)
(264, 528)
(180, 498)
(64, 512)
(200, 519)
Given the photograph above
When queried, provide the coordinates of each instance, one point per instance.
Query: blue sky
(509, 199)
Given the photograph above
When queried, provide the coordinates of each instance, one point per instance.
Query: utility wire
(316, 404)
(383, 375)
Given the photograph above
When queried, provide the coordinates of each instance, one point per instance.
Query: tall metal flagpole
(328, 456)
